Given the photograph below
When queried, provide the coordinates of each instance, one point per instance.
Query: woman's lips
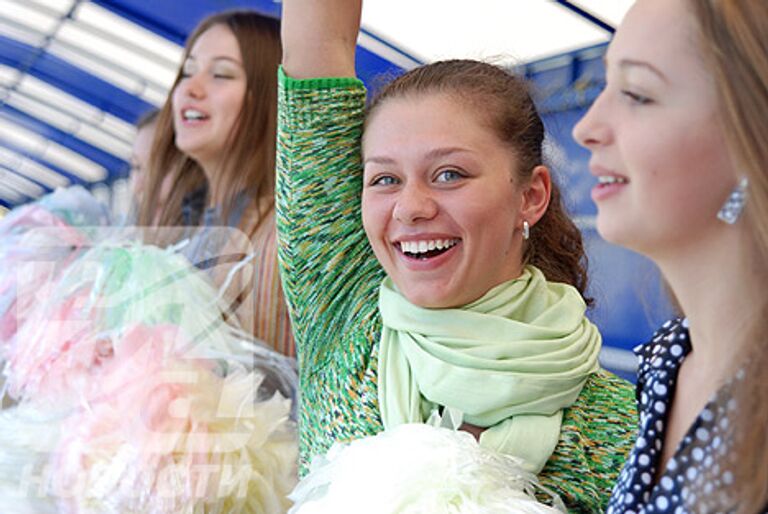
(608, 184)
(426, 254)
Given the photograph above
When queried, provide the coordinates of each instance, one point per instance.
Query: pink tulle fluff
(8, 320)
(55, 352)
(164, 434)
(35, 245)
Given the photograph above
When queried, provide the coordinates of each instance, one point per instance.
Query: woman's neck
(211, 170)
(717, 286)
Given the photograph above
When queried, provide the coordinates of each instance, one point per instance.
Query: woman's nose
(193, 86)
(415, 202)
(592, 129)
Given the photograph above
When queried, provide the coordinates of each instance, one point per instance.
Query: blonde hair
(734, 42)
(250, 161)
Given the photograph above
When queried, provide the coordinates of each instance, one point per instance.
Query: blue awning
(75, 75)
(79, 73)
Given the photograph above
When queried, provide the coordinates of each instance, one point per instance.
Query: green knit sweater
(331, 281)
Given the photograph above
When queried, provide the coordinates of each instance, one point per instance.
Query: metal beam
(114, 166)
(590, 17)
(73, 179)
(44, 187)
(70, 79)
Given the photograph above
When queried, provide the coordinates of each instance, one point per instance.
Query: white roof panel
(504, 31)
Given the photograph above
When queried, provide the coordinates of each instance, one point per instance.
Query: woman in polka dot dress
(678, 141)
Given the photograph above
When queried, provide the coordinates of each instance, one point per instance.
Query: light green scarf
(511, 361)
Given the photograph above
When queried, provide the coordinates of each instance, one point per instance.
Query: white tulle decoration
(417, 468)
(137, 390)
(26, 440)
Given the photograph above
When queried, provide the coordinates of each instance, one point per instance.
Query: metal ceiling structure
(75, 75)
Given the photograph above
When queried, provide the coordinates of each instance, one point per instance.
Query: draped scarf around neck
(510, 362)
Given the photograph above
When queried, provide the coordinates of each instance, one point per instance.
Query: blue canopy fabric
(41, 137)
(45, 57)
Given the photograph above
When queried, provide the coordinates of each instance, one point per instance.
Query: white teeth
(191, 114)
(416, 247)
(611, 179)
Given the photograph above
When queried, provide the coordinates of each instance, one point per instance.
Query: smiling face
(657, 147)
(440, 203)
(209, 96)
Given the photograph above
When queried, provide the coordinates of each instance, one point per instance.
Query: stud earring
(526, 230)
(731, 210)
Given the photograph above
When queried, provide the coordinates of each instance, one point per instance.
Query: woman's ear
(536, 195)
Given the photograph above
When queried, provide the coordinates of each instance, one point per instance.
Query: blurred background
(76, 75)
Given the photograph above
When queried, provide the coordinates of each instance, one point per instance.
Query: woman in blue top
(678, 140)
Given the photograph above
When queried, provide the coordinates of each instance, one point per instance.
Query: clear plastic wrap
(109, 289)
(37, 241)
(136, 389)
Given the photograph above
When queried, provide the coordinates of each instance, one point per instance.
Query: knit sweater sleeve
(328, 269)
(596, 436)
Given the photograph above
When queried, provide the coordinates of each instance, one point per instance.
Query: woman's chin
(433, 298)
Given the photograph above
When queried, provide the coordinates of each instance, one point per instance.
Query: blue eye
(636, 98)
(449, 176)
(384, 180)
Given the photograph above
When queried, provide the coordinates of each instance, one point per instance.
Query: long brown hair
(504, 102)
(250, 161)
(734, 42)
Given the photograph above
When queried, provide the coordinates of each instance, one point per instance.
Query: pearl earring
(526, 230)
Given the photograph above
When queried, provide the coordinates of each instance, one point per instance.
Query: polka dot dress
(693, 473)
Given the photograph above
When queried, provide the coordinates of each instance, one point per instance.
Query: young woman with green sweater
(428, 263)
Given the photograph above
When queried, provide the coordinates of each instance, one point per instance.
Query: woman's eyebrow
(632, 63)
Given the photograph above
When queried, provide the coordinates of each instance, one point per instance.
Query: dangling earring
(526, 230)
(734, 204)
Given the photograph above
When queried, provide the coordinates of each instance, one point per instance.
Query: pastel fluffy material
(27, 436)
(144, 393)
(35, 246)
(416, 468)
(111, 287)
(38, 242)
(169, 434)
(156, 434)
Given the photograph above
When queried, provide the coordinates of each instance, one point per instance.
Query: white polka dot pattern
(693, 472)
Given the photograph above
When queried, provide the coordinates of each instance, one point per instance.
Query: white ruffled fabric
(417, 468)
(27, 437)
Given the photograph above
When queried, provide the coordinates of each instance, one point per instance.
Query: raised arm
(319, 37)
(330, 275)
